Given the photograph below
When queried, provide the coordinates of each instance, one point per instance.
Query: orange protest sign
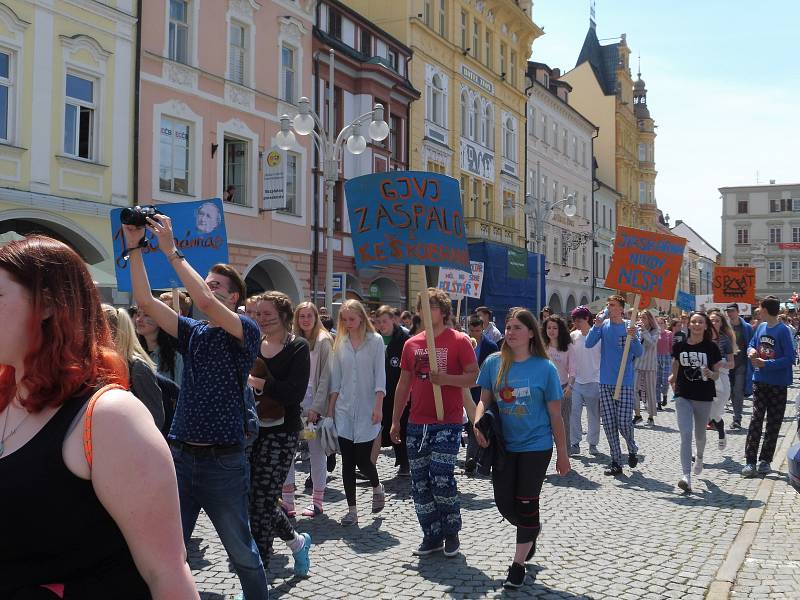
(646, 263)
(734, 284)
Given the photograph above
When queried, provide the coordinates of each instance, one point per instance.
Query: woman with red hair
(87, 486)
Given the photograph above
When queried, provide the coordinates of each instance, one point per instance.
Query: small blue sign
(407, 218)
(199, 229)
(685, 301)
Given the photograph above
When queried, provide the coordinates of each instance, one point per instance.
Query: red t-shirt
(453, 352)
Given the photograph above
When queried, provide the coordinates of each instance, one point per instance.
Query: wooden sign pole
(621, 374)
(458, 309)
(429, 337)
(176, 301)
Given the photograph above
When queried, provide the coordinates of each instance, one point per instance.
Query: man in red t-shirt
(432, 444)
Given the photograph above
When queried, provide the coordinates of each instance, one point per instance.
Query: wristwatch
(175, 254)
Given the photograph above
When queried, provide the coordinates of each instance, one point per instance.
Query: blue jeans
(432, 452)
(220, 484)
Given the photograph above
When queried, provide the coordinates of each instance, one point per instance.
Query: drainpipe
(315, 171)
(136, 111)
(595, 186)
(407, 148)
(525, 179)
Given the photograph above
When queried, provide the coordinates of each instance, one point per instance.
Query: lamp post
(330, 152)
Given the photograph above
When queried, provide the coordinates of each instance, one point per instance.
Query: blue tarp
(500, 292)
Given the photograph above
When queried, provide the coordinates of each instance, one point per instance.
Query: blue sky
(723, 81)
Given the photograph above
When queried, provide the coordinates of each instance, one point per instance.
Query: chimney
(678, 222)
(555, 74)
(772, 182)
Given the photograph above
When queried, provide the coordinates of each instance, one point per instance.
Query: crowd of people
(225, 402)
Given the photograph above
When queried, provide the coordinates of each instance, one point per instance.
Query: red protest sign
(646, 263)
(734, 284)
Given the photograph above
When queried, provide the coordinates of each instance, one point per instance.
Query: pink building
(215, 77)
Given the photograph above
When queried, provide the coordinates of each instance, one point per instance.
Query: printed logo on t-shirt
(693, 363)
(766, 347)
(621, 341)
(395, 361)
(422, 366)
(515, 398)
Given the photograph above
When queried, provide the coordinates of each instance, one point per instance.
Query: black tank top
(54, 529)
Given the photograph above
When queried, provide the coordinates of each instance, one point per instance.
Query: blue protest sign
(407, 217)
(685, 301)
(200, 234)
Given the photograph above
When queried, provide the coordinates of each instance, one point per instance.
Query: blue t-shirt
(209, 409)
(612, 337)
(522, 401)
(774, 345)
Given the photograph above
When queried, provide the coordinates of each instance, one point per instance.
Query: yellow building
(604, 91)
(469, 58)
(67, 94)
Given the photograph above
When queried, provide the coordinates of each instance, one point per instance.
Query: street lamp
(329, 147)
(540, 212)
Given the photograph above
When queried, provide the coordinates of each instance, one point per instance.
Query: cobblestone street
(635, 536)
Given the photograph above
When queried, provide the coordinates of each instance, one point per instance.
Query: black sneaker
(309, 483)
(428, 546)
(637, 419)
(736, 425)
(633, 460)
(469, 466)
(613, 469)
(516, 576)
(451, 545)
(331, 463)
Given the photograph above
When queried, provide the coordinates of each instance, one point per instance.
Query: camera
(138, 215)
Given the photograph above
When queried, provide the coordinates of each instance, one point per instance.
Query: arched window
(464, 114)
(437, 100)
(474, 115)
(509, 139)
(487, 127)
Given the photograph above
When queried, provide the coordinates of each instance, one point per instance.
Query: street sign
(338, 283)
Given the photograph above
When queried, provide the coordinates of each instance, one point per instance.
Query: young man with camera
(208, 432)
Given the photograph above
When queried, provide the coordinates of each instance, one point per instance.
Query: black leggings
(356, 455)
(516, 490)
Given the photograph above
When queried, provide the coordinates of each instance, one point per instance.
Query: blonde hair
(726, 329)
(535, 346)
(124, 333)
(646, 315)
(341, 331)
(316, 331)
(184, 301)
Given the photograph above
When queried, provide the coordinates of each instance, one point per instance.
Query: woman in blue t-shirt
(524, 384)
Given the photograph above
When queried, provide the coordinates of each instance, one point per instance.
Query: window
(488, 194)
(79, 117)
(510, 140)
(464, 114)
(554, 140)
(174, 147)
(544, 129)
(642, 152)
(442, 19)
(795, 235)
(437, 101)
(235, 173)
(583, 154)
(775, 235)
(179, 31)
(780, 205)
(395, 135)
(775, 270)
(292, 180)
(509, 209)
(742, 235)
(532, 121)
(513, 66)
(287, 73)
(795, 204)
(564, 141)
(427, 13)
(366, 42)
(5, 94)
(238, 53)
(334, 24)
(742, 264)
(464, 30)
(502, 59)
(476, 39)
(488, 127)
(476, 196)
(474, 115)
(741, 207)
(642, 192)
(796, 270)
(487, 51)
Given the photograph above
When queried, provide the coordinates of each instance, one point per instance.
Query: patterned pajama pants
(616, 416)
(432, 452)
(270, 458)
(769, 400)
(664, 367)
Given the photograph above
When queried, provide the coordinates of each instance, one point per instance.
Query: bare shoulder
(119, 411)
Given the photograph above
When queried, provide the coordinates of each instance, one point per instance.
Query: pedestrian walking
(490, 330)
(307, 324)
(87, 484)
(695, 367)
(523, 384)
(616, 415)
(210, 425)
(558, 344)
(161, 347)
(433, 444)
(646, 366)
(664, 353)
(279, 390)
(358, 385)
(741, 375)
(771, 354)
(586, 389)
(723, 336)
(394, 337)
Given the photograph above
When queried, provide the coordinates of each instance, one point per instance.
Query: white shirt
(492, 333)
(357, 375)
(587, 360)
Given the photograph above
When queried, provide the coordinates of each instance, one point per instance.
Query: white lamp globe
(285, 140)
(570, 210)
(356, 144)
(303, 123)
(378, 130)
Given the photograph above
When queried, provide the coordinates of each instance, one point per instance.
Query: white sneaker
(685, 483)
(722, 443)
(698, 465)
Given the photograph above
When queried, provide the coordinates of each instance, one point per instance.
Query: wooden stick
(176, 301)
(469, 405)
(458, 309)
(434, 364)
(621, 374)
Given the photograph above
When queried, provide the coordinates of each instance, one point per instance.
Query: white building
(605, 227)
(699, 260)
(559, 164)
(761, 229)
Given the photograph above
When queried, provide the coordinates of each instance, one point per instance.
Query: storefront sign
(275, 179)
(477, 79)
